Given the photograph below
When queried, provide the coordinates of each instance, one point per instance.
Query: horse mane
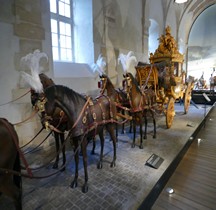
(62, 91)
(134, 81)
(108, 79)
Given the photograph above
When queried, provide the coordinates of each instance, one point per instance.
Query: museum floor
(132, 184)
(194, 181)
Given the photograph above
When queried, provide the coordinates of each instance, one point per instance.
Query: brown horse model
(86, 118)
(58, 120)
(117, 95)
(140, 103)
(10, 184)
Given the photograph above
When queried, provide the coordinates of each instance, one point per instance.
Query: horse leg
(141, 133)
(83, 146)
(134, 133)
(76, 158)
(146, 122)
(100, 162)
(56, 135)
(110, 128)
(154, 123)
(116, 126)
(123, 126)
(131, 124)
(63, 150)
(93, 146)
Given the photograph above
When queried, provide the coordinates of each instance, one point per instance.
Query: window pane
(53, 6)
(68, 42)
(63, 54)
(69, 55)
(54, 40)
(67, 10)
(67, 1)
(64, 9)
(62, 28)
(61, 8)
(55, 53)
(68, 29)
(63, 41)
(54, 27)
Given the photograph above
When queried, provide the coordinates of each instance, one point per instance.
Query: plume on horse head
(32, 61)
(100, 65)
(127, 60)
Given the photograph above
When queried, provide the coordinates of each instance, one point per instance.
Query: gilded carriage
(165, 75)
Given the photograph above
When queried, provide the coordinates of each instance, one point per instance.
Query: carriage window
(62, 30)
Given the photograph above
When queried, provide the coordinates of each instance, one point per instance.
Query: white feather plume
(100, 65)
(127, 60)
(33, 81)
(32, 61)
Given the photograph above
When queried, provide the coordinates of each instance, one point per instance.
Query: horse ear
(124, 75)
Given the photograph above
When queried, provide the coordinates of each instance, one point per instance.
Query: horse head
(102, 84)
(45, 80)
(127, 82)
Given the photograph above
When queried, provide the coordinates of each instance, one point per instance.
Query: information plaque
(154, 161)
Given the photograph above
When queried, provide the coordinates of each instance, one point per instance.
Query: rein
(32, 138)
(15, 99)
(28, 118)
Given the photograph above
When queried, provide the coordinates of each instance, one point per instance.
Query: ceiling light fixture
(180, 1)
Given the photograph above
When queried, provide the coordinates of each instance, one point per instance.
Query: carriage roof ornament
(32, 61)
(127, 60)
(100, 65)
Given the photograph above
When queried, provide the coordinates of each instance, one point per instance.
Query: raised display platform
(135, 182)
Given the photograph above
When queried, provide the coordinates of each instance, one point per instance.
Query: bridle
(103, 83)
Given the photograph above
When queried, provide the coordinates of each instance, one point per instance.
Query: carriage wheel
(170, 112)
(187, 98)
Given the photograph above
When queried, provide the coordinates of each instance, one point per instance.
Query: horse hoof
(73, 184)
(85, 188)
(112, 164)
(141, 146)
(154, 137)
(144, 137)
(99, 165)
(55, 166)
(133, 145)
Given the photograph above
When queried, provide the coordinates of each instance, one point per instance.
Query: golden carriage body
(165, 75)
